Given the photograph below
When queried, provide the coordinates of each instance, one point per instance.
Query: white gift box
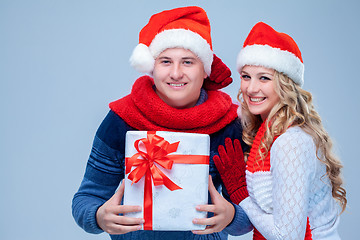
(170, 210)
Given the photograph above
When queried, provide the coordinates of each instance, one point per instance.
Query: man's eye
(187, 62)
(165, 61)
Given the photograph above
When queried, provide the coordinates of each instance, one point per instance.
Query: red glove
(231, 166)
(220, 75)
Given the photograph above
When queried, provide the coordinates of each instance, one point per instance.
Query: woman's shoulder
(294, 143)
(294, 140)
(294, 150)
(294, 135)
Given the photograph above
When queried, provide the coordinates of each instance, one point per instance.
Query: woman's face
(178, 76)
(258, 89)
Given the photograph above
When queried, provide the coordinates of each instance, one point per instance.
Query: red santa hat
(186, 27)
(268, 48)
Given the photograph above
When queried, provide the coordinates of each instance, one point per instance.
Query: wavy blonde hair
(295, 108)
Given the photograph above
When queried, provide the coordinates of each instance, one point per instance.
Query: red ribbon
(157, 151)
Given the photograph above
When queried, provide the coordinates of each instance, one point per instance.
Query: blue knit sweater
(105, 170)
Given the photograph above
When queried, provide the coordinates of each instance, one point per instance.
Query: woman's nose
(253, 86)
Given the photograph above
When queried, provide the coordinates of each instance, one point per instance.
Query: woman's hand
(231, 166)
(222, 209)
(110, 221)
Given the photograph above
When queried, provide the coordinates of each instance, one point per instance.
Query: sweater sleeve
(240, 224)
(292, 170)
(104, 171)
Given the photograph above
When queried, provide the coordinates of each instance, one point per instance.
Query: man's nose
(176, 71)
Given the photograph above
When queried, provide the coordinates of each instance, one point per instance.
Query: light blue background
(62, 62)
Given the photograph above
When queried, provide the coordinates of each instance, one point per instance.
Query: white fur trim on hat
(173, 38)
(275, 58)
(141, 59)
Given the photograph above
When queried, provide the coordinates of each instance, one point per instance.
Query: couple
(286, 185)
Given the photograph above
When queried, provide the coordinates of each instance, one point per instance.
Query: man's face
(178, 76)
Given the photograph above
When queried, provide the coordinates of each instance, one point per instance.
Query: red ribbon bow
(157, 150)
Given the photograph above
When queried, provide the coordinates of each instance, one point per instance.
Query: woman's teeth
(257, 99)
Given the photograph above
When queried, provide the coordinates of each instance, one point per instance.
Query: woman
(290, 186)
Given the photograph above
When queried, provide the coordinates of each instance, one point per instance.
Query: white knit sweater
(296, 188)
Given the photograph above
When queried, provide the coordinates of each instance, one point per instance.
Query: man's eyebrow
(192, 58)
(183, 58)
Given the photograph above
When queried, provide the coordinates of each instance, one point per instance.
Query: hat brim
(275, 58)
(143, 60)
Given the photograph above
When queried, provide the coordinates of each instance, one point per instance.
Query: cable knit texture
(220, 75)
(260, 182)
(231, 166)
(143, 109)
(290, 197)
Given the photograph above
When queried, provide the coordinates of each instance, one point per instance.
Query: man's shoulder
(112, 130)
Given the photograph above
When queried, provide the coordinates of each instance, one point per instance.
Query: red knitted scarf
(144, 110)
(255, 164)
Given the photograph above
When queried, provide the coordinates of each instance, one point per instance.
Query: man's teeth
(177, 84)
(257, 99)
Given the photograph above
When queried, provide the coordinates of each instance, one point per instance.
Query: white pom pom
(141, 59)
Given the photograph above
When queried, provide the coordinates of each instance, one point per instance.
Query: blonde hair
(295, 108)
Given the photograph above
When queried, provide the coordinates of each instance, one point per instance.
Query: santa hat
(186, 27)
(271, 49)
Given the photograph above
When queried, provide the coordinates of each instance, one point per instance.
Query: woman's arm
(291, 168)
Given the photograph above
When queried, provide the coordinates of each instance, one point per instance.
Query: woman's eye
(165, 61)
(187, 62)
(245, 76)
(264, 78)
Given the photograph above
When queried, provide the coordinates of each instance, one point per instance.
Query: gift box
(167, 174)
